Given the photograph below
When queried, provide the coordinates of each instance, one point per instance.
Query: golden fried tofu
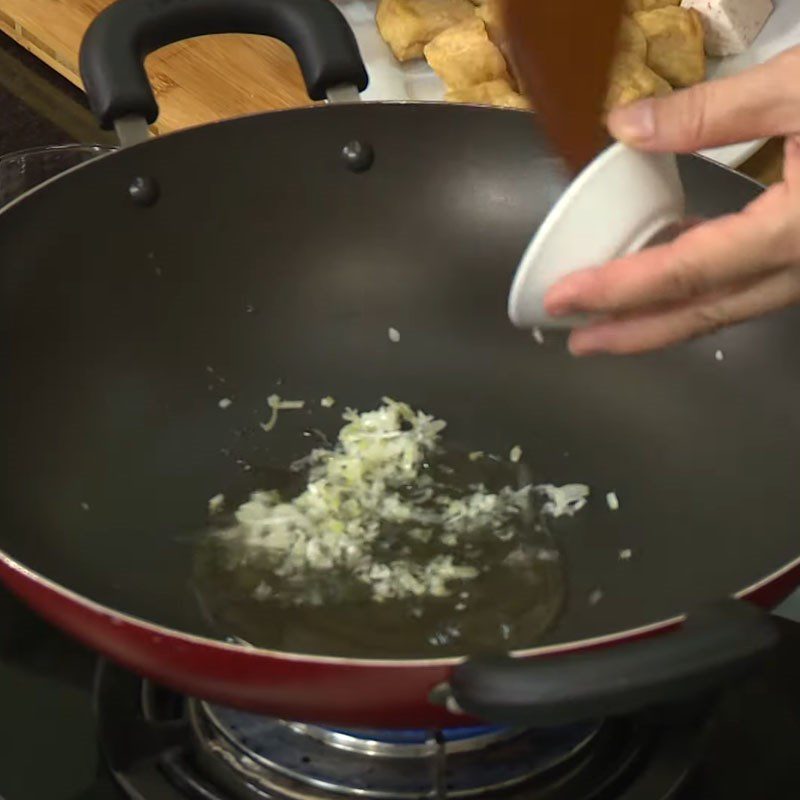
(631, 39)
(675, 44)
(408, 25)
(491, 12)
(648, 5)
(631, 79)
(463, 56)
(498, 92)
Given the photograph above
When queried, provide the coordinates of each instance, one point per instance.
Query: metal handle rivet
(144, 191)
(358, 156)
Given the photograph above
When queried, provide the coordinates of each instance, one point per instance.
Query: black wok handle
(715, 645)
(115, 45)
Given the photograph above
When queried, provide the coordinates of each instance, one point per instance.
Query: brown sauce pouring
(562, 52)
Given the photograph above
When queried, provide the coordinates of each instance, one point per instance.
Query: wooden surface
(207, 79)
(200, 81)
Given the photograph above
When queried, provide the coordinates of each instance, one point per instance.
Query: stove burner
(406, 765)
(373, 741)
(160, 746)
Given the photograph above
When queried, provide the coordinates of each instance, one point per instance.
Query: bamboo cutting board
(203, 80)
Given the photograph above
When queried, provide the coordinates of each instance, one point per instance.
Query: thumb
(761, 102)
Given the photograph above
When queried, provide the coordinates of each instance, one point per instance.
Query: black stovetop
(49, 748)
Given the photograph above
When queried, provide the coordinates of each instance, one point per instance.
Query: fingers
(760, 102)
(721, 272)
(650, 331)
(705, 258)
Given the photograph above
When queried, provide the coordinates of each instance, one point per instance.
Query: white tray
(390, 80)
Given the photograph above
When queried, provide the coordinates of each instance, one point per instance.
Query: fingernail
(633, 124)
(581, 343)
(558, 309)
(581, 350)
(560, 300)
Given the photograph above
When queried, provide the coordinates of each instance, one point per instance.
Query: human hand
(720, 272)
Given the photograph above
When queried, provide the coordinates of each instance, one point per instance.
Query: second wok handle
(713, 646)
(115, 45)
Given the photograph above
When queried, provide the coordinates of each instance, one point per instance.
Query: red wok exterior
(358, 693)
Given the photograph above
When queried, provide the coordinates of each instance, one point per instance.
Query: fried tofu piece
(491, 12)
(675, 44)
(463, 56)
(632, 6)
(492, 93)
(631, 79)
(408, 25)
(631, 39)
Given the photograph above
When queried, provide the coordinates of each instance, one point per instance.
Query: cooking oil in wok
(514, 597)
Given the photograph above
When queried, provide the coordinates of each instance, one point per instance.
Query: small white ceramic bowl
(618, 204)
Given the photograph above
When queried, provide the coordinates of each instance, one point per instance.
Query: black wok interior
(267, 266)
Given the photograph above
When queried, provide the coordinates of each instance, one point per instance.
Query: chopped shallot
(377, 478)
(277, 404)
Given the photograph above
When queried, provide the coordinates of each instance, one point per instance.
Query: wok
(276, 250)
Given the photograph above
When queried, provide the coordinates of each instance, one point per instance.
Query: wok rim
(441, 105)
(153, 628)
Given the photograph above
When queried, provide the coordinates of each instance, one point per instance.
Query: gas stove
(75, 726)
(205, 751)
